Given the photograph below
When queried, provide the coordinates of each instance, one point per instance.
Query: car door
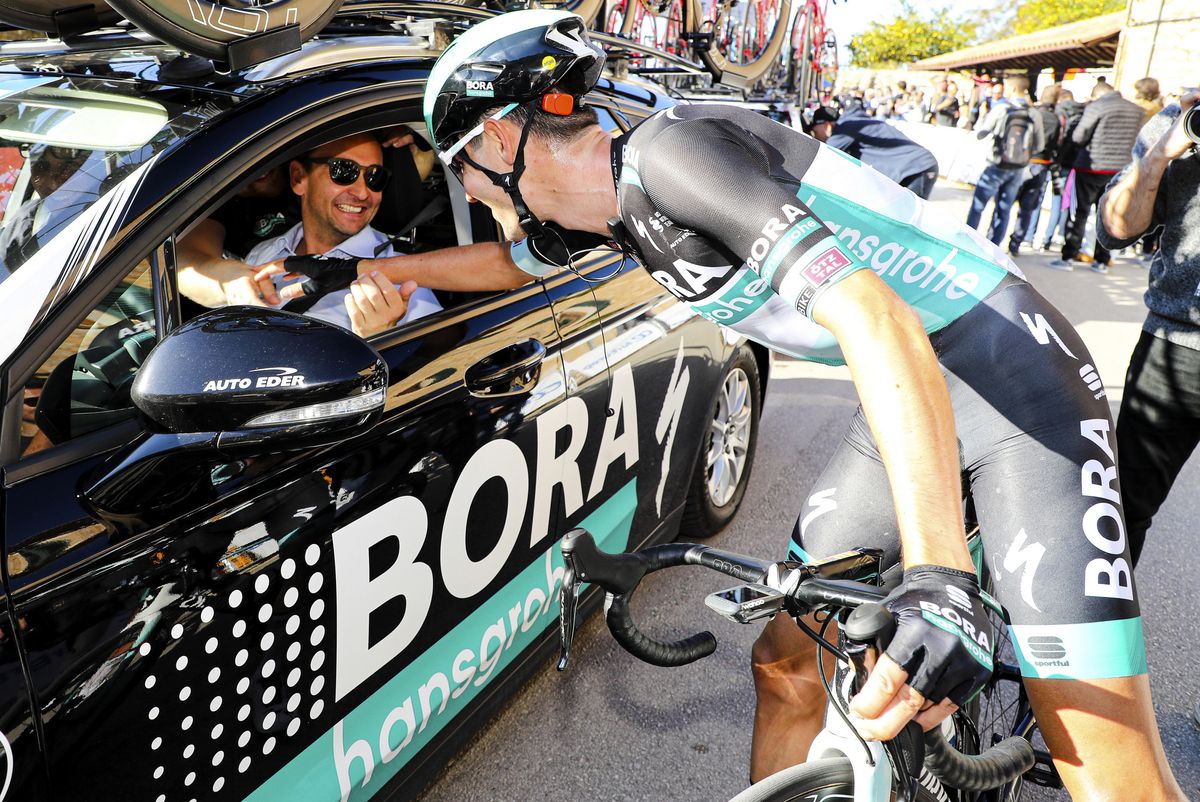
(289, 622)
(640, 368)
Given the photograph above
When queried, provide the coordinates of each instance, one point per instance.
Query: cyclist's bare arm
(1127, 209)
(908, 407)
(210, 279)
(482, 267)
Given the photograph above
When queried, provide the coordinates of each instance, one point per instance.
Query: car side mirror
(232, 383)
(262, 377)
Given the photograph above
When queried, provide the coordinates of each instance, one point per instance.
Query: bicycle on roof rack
(812, 58)
(983, 753)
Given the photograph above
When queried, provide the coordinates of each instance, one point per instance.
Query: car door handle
(512, 370)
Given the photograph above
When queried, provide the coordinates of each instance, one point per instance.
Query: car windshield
(66, 141)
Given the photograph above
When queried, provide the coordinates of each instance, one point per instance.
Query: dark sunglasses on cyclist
(345, 172)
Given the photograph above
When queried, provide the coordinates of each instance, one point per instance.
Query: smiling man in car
(340, 185)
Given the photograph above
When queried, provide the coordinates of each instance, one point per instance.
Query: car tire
(210, 29)
(728, 441)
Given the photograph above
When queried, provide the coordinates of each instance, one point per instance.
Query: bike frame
(872, 767)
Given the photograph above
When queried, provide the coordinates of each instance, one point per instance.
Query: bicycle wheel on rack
(590, 10)
(742, 62)
(816, 781)
(800, 72)
(829, 59)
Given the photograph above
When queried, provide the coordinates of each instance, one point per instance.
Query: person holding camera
(1159, 422)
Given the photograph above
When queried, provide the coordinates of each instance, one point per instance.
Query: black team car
(247, 554)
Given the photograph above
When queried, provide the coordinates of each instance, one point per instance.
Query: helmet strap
(509, 181)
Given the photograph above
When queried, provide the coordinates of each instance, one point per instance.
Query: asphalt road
(612, 728)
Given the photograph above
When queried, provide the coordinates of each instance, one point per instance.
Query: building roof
(1086, 43)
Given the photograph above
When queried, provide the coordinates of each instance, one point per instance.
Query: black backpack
(1014, 146)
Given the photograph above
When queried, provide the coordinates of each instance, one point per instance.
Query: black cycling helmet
(512, 58)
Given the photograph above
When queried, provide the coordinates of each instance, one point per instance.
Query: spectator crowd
(1063, 152)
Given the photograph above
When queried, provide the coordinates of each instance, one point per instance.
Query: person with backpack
(1105, 136)
(1033, 187)
(1016, 136)
(1062, 183)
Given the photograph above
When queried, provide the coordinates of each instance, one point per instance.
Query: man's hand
(401, 136)
(1127, 208)
(1175, 142)
(244, 287)
(374, 304)
(939, 658)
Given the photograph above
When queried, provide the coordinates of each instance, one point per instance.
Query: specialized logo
(1043, 332)
(668, 419)
(1026, 559)
(569, 39)
(822, 502)
(286, 377)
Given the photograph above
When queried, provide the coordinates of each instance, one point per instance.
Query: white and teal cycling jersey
(749, 223)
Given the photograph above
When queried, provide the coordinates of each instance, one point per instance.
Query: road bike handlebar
(805, 589)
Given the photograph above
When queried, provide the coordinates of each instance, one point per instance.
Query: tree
(910, 37)
(1037, 15)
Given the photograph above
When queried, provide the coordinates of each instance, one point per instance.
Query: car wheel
(726, 455)
(220, 32)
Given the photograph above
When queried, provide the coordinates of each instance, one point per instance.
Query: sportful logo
(1047, 647)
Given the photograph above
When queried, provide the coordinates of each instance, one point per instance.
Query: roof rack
(337, 51)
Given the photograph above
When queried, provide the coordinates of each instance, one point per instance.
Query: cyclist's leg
(849, 506)
(1039, 448)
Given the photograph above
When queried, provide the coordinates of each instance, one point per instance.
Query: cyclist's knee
(782, 649)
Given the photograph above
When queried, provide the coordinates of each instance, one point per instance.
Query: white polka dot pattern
(277, 693)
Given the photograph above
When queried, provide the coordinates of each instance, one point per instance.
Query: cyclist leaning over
(799, 247)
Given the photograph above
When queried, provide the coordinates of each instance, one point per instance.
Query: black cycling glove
(944, 639)
(325, 274)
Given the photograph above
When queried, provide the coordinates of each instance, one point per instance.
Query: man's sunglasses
(345, 172)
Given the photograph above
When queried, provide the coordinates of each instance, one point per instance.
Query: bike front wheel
(816, 781)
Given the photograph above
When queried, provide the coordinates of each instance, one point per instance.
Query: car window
(264, 221)
(608, 120)
(65, 141)
(85, 383)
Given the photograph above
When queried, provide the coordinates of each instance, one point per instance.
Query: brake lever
(568, 605)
